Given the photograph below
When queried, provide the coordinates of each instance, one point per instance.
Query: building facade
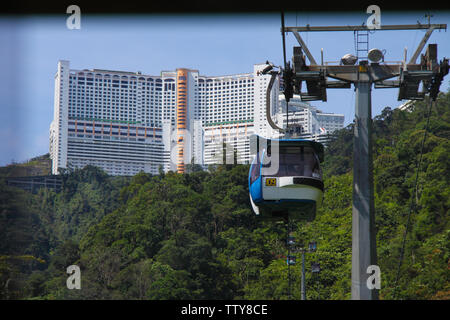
(126, 122)
(109, 119)
(316, 125)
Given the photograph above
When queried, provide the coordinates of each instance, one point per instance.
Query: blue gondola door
(254, 184)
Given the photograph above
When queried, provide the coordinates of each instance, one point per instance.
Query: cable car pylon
(276, 192)
(410, 75)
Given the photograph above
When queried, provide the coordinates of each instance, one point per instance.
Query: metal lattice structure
(361, 44)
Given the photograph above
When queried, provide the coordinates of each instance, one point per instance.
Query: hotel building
(126, 122)
(316, 125)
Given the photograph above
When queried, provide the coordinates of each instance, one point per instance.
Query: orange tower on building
(181, 120)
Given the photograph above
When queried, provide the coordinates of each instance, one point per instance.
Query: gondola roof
(317, 147)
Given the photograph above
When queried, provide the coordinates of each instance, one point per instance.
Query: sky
(213, 44)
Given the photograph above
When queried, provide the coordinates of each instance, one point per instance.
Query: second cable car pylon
(410, 75)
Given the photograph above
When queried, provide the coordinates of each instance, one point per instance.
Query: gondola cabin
(285, 179)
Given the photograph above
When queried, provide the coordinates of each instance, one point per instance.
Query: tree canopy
(194, 236)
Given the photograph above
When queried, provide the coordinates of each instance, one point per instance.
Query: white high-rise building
(125, 122)
(316, 125)
(109, 119)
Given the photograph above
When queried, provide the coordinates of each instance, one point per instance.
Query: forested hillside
(38, 166)
(193, 236)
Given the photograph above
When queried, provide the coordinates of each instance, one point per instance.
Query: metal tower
(409, 75)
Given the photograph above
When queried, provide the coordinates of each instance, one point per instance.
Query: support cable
(412, 206)
(285, 84)
(284, 38)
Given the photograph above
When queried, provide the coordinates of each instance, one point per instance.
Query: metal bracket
(421, 45)
(304, 47)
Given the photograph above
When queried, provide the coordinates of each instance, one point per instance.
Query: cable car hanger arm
(268, 92)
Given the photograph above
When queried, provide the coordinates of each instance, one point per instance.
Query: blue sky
(213, 44)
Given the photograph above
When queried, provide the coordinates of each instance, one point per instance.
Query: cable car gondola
(285, 179)
(293, 189)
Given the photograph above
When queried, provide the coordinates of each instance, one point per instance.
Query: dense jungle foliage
(193, 236)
